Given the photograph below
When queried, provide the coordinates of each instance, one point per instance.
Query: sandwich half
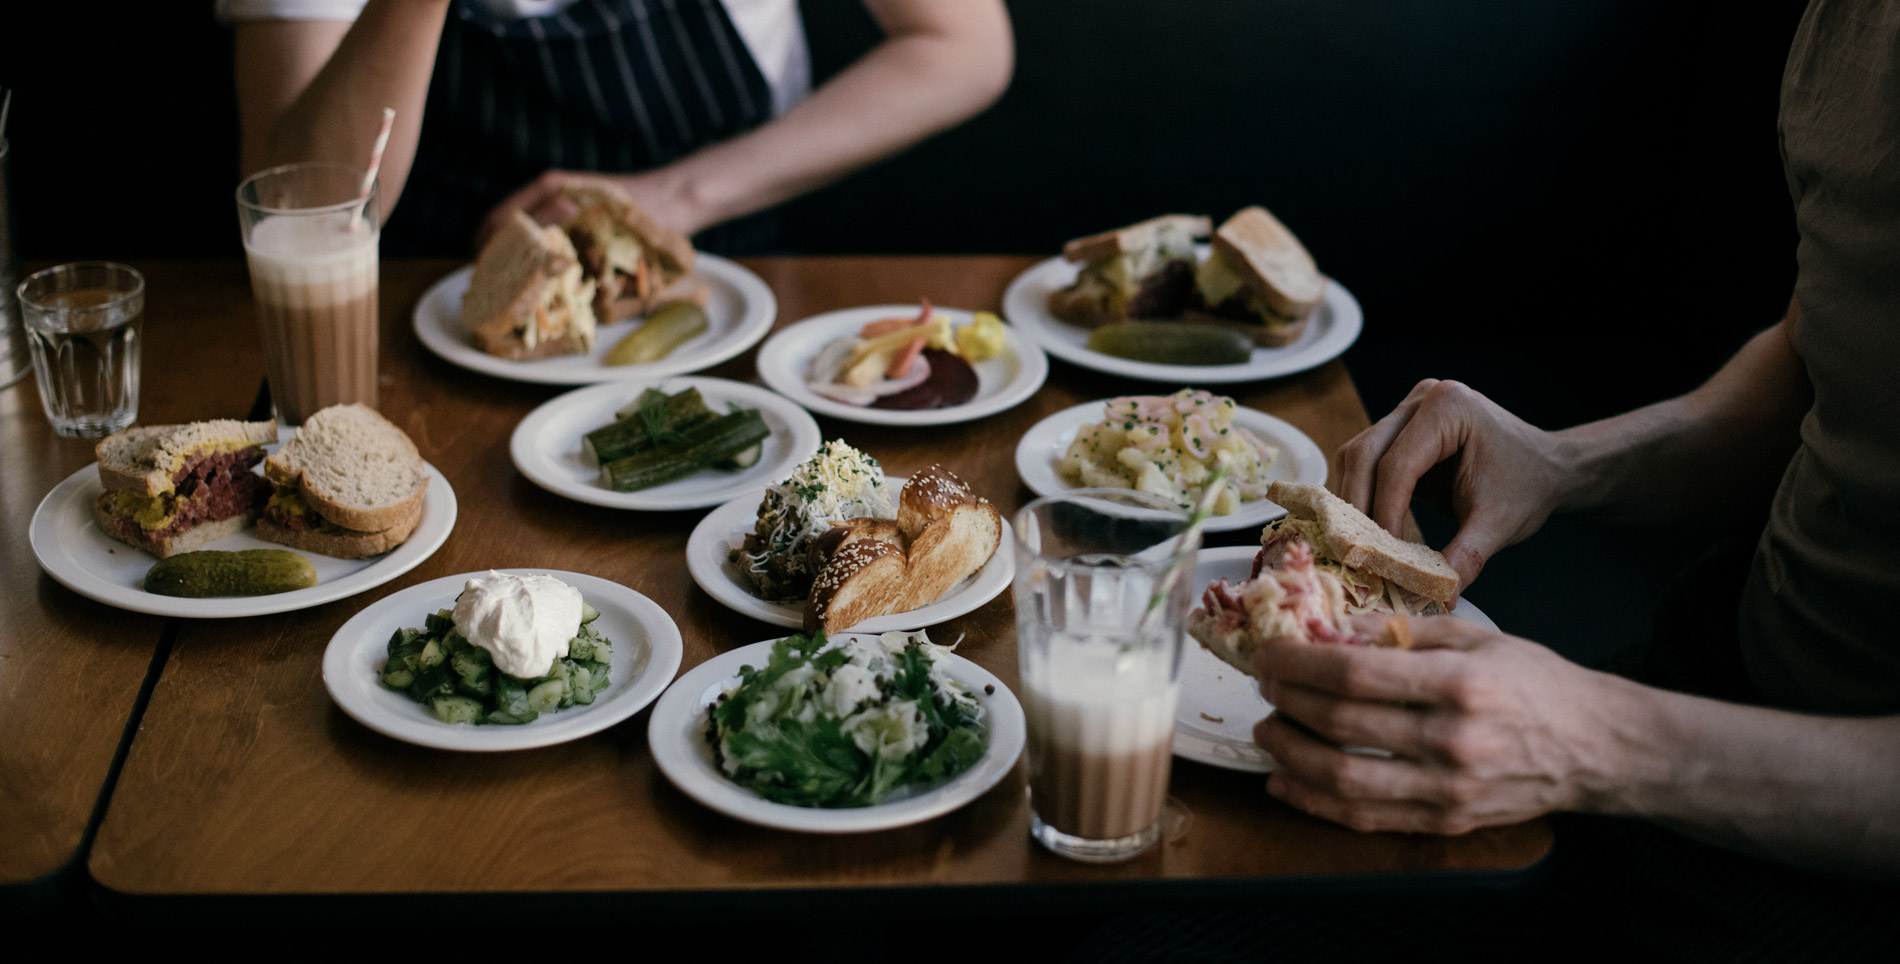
(635, 262)
(177, 488)
(1144, 270)
(1259, 279)
(1323, 562)
(527, 297)
(349, 484)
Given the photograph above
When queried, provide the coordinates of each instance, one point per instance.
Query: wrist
(1625, 759)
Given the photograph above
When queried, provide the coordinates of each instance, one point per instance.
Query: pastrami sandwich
(527, 297)
(1323, 562)
(1145, 270)
(349, 484)
(176, 488)
(635, 262)
(1259, 279)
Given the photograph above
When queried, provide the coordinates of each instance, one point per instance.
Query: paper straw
(1190, 535)
(375, 161)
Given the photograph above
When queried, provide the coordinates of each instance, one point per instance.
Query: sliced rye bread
(192, 539)
(1359, 543)
(144, 459)
(355, 468)
(339, 542)
(1121, 240)
(511, 278)
(1271, 260)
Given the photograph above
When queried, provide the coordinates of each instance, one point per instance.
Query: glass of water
(1098, 637)
(82, 325)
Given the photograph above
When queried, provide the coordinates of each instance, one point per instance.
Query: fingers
(1337, 772)
(534, 196)
(1386, 726)
(1367, 816)
(1365, 672)
(1427, 632)
(1430, 437)
(1359, 457)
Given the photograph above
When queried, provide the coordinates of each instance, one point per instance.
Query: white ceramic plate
(739, 307)
(724, 528)
(677, 736)
(646, 654)
(1334, 327)
(1213, 722)
(73, 550)
(1003, 382)
(1300, 459)
(546, 446)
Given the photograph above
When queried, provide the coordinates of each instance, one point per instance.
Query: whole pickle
(1172, 343)
(668, 327)
(247, 572)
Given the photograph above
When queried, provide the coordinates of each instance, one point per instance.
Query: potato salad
(1168, 445)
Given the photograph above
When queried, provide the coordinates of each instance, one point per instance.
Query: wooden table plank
(70, 668)
(245, 779)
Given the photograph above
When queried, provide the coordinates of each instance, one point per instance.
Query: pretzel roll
(864, 578)
(928, 497)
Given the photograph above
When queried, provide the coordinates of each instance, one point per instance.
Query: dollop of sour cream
(525, 622)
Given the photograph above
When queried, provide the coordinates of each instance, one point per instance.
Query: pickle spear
(1172, 343)
(666, 328)
(247, 572)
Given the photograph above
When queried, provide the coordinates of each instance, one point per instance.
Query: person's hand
(1483, 728)
(1505, 475)
(542, 199)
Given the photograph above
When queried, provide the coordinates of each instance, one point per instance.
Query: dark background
(1574, 206)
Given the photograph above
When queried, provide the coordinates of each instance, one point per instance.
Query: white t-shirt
(773, 33)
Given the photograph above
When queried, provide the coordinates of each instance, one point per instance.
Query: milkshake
(313, 264)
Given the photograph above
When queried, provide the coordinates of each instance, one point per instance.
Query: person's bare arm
(314, 90)
(1489, 729)
(1699, 454)
(939, 64)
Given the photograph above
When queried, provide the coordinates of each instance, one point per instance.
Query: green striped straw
(1189, 536)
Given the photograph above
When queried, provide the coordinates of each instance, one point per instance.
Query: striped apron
(603, 85)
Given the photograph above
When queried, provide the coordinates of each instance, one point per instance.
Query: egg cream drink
(1099, 646)
(313, 271)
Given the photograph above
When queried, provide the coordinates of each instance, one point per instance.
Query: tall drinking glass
(83, 323)
(310, 237)
(1100, 674)
(14, 360)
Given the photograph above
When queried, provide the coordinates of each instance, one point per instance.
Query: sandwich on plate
(349, 484)
(177, 488)
(635, 262)
(1259, 279)
(528, 297)
(1323, 562)
(1144, 270)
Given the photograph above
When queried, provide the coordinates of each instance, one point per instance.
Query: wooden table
(245, 779)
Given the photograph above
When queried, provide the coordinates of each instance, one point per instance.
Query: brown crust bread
(864, 579)
(129, 460)
(929, 496)
(847, 532)
(675, 248)
(511, 276)
(950, 548)
(340, 543)
(1359, 543)
(1271, 260)
(192, 539)
(510, 346)
(1111, 243)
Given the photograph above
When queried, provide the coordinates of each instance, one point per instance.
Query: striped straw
(375, 160)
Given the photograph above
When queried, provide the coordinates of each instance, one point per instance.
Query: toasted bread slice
(147, 459)
(1272, 263)
(526, 297)
(354, 467)
(1135, 236)
(332, 540)
(1359, 543)
(190, 540)
(950, 549)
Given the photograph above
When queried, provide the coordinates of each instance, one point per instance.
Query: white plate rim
(1040, 476)
(706, 555)
(431, 322)
(675, 735)
(1200, 748)
(804, 442)
(70, 503)
(1023, 304)
(782, 358)
(341, 662)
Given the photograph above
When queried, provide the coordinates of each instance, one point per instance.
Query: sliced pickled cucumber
(248, 572)
(666, 328)
(1172, 343)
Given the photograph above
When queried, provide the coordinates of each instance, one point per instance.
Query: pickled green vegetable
(1172, 343)
(700, 447)
(248, 572)
(668, 327)
(459, 683)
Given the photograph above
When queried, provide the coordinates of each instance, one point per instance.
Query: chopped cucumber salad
(458, 680)
(846, 725)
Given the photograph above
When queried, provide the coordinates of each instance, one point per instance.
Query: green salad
(846, 725)
(460, 684)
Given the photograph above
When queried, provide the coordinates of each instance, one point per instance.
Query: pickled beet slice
(952, 382)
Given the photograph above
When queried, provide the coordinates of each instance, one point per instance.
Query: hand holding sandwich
(1485, 728)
